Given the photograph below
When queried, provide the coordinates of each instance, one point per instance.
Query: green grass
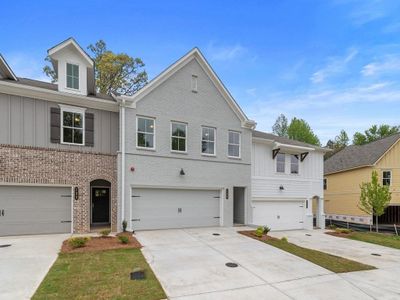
(387, 240)
(99, 275)
(333, 263)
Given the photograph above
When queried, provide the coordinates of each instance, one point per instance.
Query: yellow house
(347, 169)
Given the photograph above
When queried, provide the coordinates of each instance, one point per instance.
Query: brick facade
(44, 166)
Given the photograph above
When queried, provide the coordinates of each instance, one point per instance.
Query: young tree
(280, 127)
(374, 198)
(115, 73)
(374, 133)
(300, 130)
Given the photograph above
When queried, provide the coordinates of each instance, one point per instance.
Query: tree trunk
(376, 218)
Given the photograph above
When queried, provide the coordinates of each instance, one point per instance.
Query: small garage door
(34, 210)
(174, 208)
(279, 215)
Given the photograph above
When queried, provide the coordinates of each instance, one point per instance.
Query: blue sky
(334, 63)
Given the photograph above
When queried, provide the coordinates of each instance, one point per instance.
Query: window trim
(284, 164)
(215, 141)
(186, 136)
(66, 76)
(154, 133)
(240, 144)
(391, 178)
(298, 164)
(76, 110)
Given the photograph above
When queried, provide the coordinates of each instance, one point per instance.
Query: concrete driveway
(25, 263)
(190, 264)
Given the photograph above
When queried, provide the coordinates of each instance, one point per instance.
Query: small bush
(105, 232)
(284, 239)
(124, 225)
(343, 230)
(259, 232)
(123, 239)
(266, 229)
(332, 226)
(78, 242)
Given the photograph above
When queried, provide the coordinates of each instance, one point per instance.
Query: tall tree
(115, 73)
(374, 198)
(280, 127)
(340, 142)
(374, 133)
(300, 130)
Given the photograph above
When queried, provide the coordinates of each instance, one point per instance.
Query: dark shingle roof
(283, 140)
(359, 156)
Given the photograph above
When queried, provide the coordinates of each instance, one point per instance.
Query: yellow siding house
(347, 169)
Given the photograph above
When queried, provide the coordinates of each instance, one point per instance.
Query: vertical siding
(26, 121)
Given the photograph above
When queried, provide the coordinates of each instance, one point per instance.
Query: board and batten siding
(26, 121)
(266, 181)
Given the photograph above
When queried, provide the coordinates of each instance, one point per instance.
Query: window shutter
(55, 125)
(89, 129)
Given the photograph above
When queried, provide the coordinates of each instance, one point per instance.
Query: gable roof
(68, 42)
(180, 63)
(358, 156)
(5, 70)
(284, 140)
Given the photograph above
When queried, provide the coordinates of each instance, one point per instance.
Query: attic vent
(194, 83)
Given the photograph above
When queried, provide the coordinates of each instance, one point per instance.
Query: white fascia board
(5, 65)
(68, 42)
(58, 97)
(293, 147)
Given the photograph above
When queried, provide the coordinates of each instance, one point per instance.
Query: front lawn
(99, 275)
(331, 262)
(387, 240)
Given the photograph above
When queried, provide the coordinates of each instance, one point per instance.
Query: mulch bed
(103, 243)
(251, 234)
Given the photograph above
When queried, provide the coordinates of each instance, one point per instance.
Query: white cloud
(25, 65)
(335, 65)
(224, 53)
(385, 65)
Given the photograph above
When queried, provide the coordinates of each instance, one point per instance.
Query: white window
(208, 140)
(280, 162)
(194, 83)
(145, 133)
(294, 164)
(72, 125)
(72, 76)
(178, 136)
(234, 144)
(386, 177)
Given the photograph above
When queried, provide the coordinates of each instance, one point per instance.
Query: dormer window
(72, 76)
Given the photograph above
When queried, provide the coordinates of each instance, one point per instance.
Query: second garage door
(279, 215)
(34, 210)
(174, 208)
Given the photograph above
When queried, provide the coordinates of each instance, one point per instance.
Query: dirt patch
(103, 243)
(251, 233)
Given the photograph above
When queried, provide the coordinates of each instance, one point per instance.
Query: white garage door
(34, 210)
(174, 208)
(279, 215)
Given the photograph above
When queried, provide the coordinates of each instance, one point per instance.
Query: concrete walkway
(25, 263)
(190, 264)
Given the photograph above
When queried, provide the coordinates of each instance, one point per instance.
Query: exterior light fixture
(182, 173)
(281, 188)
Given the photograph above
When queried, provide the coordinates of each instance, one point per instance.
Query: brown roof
(356, 156)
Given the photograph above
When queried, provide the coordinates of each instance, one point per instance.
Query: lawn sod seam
(328, 261)
(381, 239)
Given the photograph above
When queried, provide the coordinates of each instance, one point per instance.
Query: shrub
(266, 229)
(123, 239)
(78, 242)
(343, 230)
(124, 225)
(259, 232)
(284, 239)
(105, 232)
(332, 226)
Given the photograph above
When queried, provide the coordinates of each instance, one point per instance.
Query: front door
(100, 205)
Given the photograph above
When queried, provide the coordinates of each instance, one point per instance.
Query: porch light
(281, 188)
(182, 173)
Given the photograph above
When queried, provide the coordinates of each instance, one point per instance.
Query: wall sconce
(132, 169)
(182, 173)
(76, 193)
(281, 188)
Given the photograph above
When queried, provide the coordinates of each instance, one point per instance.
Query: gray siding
(26, 121)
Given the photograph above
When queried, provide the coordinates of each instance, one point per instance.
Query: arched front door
(100, 202)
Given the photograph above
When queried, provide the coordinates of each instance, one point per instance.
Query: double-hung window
(280, 162)
(73, 125)
(178, 136)
(386, 177)
(294, 164)
(72, 76)
(208, 140)
(234, 144)
(145, 133)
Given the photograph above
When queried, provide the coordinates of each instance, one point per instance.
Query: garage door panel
(279, 215)
(35, 210)
(174, 208)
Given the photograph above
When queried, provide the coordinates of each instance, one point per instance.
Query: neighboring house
(347, 169)
(287, 175)
(178, 153)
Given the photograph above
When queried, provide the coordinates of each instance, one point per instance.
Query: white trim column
(321, 213)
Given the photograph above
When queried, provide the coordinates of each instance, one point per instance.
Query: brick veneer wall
(43, 166)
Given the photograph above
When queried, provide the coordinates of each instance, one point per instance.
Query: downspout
(122, 161)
